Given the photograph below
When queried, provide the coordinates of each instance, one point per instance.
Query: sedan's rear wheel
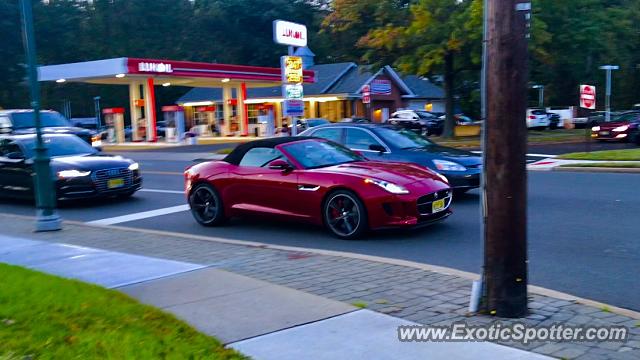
(206, 205)
(345, 215)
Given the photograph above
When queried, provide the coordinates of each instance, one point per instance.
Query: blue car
(387, 143)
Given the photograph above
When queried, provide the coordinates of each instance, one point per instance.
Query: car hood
(55, 130)
(463, 157)
(394, 172)
(613, 125)
(89, 162)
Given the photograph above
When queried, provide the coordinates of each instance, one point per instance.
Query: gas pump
(208, 124)
(114, 120)
(173, 123)
(266, 121)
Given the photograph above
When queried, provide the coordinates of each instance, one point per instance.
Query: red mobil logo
(587, 97)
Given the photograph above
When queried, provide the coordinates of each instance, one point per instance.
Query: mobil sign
(588, 97)
(288, 33)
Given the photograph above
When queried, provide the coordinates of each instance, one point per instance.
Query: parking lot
(582, 226)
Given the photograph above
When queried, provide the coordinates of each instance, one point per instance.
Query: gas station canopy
(176, 73)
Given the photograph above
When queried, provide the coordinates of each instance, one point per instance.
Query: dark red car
(625, 127)
(316, 181)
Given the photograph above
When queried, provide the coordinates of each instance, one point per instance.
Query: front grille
(425, 203)
(101, 177)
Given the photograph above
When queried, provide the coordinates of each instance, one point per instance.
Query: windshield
(316, 122)
(23, 120)
(402, 138)
(425, 115)
(313, 154)
(59, 146)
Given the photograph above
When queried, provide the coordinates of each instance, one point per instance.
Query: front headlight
(444, 165)
(66, 174)
(390, 187)
(595, 128)
(621, 128)
(443, 178)
(134, 167)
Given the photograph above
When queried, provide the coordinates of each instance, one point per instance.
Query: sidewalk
(299, 301)
(555, 164)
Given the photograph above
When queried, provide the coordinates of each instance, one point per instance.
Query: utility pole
(608, 69)
(47, 218)
(505, 235)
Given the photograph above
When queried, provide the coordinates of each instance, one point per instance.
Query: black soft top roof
(237, 154)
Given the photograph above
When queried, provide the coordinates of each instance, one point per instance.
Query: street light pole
(47, 218)
(608, 69)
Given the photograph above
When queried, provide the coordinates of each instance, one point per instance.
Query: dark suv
(422, 122)
(20, 122)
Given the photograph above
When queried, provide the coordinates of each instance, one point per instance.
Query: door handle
(308, 187)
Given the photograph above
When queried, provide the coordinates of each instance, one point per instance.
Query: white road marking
(162, 191)
(531, 155)
(140, 215)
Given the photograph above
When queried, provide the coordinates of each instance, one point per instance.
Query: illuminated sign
(154, 67)
(293, 91)
(293, 107)
(288, 33)
(291, 69)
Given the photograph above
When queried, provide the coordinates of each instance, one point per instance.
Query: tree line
(438, 39)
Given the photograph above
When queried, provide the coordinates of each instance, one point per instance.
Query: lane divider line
(140, 215)
(162, 191)
(531, 155)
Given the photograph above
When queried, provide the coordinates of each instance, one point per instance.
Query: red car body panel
(300, 193)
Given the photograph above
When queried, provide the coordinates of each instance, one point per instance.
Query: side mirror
(15, 156)
(377, 147)
(280, 165)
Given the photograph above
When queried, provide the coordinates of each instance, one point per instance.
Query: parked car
(317, 181)
(623, 127)
(537, 119)
(23, 122)
(386, 143)
(356, 119)
(304, 124)
(79, 170)
(422, 122)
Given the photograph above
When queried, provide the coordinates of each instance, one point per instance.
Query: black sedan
(79, 171)
(387, 143)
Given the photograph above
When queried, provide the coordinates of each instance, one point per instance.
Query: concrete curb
(597, 169)
(427, 267)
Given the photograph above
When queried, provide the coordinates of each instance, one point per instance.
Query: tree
(442, 37)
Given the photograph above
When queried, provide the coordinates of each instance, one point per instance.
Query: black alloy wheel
(206, 205)
(345, 215)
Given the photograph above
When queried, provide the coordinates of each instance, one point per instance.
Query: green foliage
(47, 317)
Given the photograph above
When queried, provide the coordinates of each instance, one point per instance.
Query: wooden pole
(505, 262)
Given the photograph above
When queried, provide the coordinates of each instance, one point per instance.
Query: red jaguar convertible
(317, 181)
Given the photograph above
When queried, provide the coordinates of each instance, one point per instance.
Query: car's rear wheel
(206, 205)
(345, 215)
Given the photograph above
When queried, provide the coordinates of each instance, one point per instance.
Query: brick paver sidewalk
(415, 294)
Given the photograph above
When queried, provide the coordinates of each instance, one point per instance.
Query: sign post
(366, 99)
(291, 34)
(608, 69)
(588, 97)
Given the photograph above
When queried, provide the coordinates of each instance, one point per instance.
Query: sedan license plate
(604, 133)
(438, 206)
(115, 183)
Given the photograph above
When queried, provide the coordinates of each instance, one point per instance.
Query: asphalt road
(583, 228)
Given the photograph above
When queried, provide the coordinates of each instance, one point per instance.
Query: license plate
(604, 133)
(115, 183)
(438, 205)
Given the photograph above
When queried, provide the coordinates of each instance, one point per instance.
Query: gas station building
(142, 75)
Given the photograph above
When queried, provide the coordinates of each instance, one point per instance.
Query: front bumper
(89, 187)
(465, 180)
(410, 210)
(610, 135)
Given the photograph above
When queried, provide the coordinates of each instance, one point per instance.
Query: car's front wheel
(206, 205)
(345, 215)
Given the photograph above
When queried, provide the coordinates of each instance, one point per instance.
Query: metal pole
(47, 218)
(541, 96)
(96, 101)
(505, 240)
(608, 98)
